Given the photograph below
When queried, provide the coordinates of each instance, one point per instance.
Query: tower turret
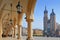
(52, 12)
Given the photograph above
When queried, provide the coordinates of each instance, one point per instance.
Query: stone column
(0, 28)
(20, 15)
(14, 27)
(30, 31)
(19, 32)
(13, 35)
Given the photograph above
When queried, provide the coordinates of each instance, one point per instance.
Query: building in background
(58, 29)
(24, 31)
(49, 24)
(36, 32)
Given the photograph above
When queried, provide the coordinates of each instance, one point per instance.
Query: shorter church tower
(52, 23)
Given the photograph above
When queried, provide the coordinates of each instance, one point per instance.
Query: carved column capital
(29, 20)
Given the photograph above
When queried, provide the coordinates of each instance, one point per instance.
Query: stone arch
(28, 9)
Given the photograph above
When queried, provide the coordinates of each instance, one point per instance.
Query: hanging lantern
(19, 7)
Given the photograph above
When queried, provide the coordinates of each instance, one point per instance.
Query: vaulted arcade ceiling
(5, 7)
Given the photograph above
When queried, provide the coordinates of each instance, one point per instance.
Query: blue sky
(39, 12)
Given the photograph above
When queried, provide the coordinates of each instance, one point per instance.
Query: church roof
(52, 12)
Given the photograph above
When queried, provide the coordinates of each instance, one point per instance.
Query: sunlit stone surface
(35, 38)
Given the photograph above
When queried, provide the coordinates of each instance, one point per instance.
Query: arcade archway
(28, 9)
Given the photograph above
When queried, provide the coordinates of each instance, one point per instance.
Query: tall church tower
(52, 23)
(45, 19)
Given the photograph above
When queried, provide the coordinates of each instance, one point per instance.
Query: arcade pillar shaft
(19, 25)
(30, 31)
(14, 28)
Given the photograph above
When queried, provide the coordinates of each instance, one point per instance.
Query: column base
(13, 36)
(29, 39)
(19, 38)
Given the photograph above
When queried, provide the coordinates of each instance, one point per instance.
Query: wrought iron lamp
(19, 7)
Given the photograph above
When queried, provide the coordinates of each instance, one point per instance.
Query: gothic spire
(45, 8)
(45, 11)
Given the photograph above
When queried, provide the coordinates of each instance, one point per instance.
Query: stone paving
(35, 38)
